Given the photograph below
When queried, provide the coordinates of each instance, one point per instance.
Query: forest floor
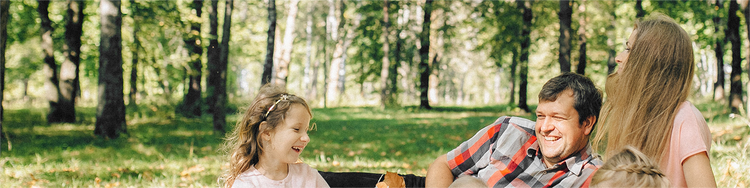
(164, 150)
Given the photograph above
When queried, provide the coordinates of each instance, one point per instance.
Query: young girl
(629, 168)
(265, 145)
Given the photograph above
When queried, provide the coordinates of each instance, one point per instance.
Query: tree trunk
(639, 12)
(333, 89)
(328, 32)
(69, 86)
(51, 82)
(212, 54)
(220, 93)
(191, 104)
(384, 92)
(746, 10)
(719, 51)
(110, 113)
(393, 70)
(286, 47)
(735, 91)
(513, 65)
(424, 55)
(4, 6)
(565, 15)
(268, 66)
(524, 59)
(581, 69)
(611, 37)
(217, 66)
(134, 50)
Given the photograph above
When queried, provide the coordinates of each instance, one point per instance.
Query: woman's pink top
(300, 175)
(690, 136)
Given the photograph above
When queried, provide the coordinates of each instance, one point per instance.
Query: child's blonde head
(629, 168)
(243, 145)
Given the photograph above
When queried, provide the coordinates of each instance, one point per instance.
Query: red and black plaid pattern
(506, 154)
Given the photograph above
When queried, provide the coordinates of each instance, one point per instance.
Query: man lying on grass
(516, 152)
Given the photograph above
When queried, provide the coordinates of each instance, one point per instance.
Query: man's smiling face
(558, 130)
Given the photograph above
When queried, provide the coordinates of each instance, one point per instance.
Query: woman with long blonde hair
(647, 107)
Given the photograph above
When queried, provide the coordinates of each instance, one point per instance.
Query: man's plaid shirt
(506, 154)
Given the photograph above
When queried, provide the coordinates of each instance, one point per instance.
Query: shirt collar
(574, 163)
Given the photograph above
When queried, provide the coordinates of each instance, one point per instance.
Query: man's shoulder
(523, 122)
(517, 123)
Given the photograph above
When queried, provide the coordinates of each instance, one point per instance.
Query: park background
(140, 93)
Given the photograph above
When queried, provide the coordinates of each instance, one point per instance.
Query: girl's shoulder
(688, 112)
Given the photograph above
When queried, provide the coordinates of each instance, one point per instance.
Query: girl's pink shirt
(690, 136)
(300, 175)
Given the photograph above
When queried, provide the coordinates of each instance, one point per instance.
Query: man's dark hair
(588, 98)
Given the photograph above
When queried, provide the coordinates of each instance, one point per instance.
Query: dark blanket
(361, 179)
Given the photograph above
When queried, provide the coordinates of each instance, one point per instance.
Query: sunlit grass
(165, 150)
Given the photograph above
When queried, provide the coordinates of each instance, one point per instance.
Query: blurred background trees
(61, 54)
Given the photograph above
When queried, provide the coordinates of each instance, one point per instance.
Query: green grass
(164, 150)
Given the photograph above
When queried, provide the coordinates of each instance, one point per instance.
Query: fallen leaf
(97, 181)
(110, 185)
(193, 169)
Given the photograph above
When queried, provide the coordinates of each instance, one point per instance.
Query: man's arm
(439, 174)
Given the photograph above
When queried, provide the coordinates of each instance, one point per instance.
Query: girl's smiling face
(289, 139)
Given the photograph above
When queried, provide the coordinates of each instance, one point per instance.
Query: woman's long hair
(629, 168)
(643, 99)
(243, 145)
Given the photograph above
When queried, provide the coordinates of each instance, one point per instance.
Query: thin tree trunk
(393, 69)
(212, 54)
(268, 66)
(581, 69)
(524, 59)
(424, 54)
(735, 92)
(4, 6)
(329, 27)
(513, 66)
(719, 51)
(51, 81)
(220, 93)
(565, 15)
(110, 115)
(286, 47)
(69, 70)
(191, 104)
(384, 92)
(333, 89)
(746, 11)
(134, 51)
